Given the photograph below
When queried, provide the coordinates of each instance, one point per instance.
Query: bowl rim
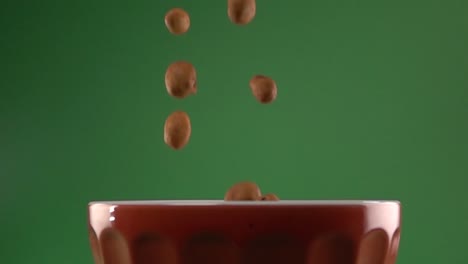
(245, 203)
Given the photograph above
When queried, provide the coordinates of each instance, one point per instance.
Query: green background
(372, 104)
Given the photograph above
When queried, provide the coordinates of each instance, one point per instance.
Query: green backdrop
(372, 104)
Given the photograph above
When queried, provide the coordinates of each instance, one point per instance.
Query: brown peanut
(270, 197)
(243, 191)
(241, 12)
(177, 21)
(263, 88)
(181, 79)
(177, 130)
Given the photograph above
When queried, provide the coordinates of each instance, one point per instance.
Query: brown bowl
(218, 232)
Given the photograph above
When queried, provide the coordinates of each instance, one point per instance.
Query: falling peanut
(177, 21)
(177, 130)
(241, 12)
(263, 88)
(181, 79)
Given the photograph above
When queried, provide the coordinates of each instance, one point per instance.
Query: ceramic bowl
(219, 232)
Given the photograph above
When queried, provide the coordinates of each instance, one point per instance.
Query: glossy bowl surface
(211, 231)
